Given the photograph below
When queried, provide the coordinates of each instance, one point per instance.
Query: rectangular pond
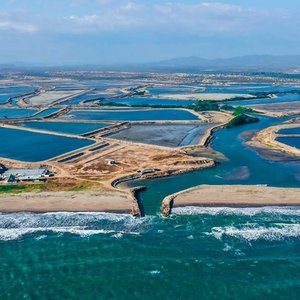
(289, 131)
(131, 115)
(64, 127)
(33, 147)
(290, 141)
(10, 113)
(148, 101)
(167, 135)
(47, 112)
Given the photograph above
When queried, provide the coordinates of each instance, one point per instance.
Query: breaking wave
(17, 225)
(250, 233)
(245, 211)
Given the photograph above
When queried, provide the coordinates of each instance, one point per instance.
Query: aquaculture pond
(179, 89)
(249, 88)
(131, 115)
(10, 113)
(32, 147)
(47, 112)
(10, 92)
(244, 166)
(144, 101)
(290, 141)
(168, 135)
(86, 97)
(290, 130)
(65, 127)
(278, 99)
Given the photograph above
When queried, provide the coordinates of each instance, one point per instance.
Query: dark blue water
(289, 131)
(32, 147)
(11, 113)
(291, 141)
(149, 101)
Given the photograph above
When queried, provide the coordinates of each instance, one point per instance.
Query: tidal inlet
(144, 154)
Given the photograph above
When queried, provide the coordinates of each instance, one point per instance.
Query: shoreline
(87, 201)
(231, 196)
(265, 143)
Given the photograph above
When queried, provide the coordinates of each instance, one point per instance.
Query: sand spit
(232, 196)
(265, 142)
(87, 201)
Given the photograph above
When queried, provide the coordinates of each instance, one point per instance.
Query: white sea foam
(244, 211)
(14, 226)
(253, 232)
(7, 234)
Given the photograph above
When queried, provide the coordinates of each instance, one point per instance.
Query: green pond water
(32, 147)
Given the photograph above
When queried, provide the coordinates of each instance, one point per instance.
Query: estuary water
(198, 253)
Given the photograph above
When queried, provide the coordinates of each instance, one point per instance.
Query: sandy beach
(87, 201)
(233, 196)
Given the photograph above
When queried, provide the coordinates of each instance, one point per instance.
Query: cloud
(199, 18)
(10, 25)
(15, 21)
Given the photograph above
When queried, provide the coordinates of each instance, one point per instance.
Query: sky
(104, 32)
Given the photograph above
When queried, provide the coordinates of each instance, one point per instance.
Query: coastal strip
(85, 201)
(231, 196)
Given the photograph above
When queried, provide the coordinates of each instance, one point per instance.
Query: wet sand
(233, 196)
(87, 201)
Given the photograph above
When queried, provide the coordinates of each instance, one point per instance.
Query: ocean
(198, 253)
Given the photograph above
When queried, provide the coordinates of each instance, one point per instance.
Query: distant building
(147, 171)
(14, 175)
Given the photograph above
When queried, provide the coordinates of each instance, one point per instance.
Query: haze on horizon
(123, 31)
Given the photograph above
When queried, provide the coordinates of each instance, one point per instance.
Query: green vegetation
(15, 189)
(202, 105)
(241, 119)
(240, 109)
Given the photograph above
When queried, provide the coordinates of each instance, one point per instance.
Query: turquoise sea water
(211, 253)
(32, 147)
(73, 128)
